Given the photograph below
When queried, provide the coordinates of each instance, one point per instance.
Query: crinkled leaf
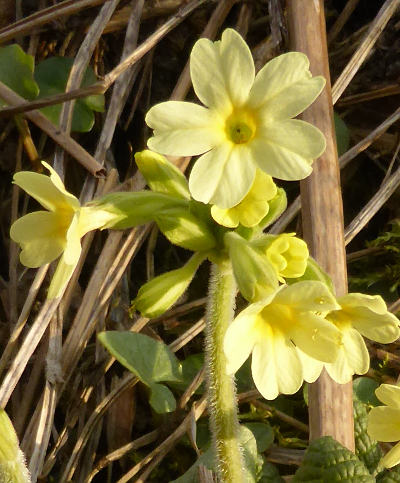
(327, 460)
(150, 360)
(389, 476)
(161, 399)
(270, 474)
(52, 76)
(367, 450)
(16, 72)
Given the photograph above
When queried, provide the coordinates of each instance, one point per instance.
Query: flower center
(240, 127)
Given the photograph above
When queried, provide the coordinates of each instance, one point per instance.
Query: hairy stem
(221, 386)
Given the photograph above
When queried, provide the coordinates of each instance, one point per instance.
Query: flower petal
(223, 176)
(311, 367)
(285, 86)
(183, 129)
(389, 394)
(276, 366)
(308, 295)
(40, 237)
(369, 315)
(49, 191)
(222, 72)
(392, 457)
(384, 424)
(239, 340)
(73, 247)
(60, 278)
(353, 358)
(316, 337)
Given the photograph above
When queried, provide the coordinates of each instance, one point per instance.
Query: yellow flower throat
(240, 127)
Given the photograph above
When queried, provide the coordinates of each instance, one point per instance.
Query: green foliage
(389, 476)
(263, 433)
(367, 450)
(364, 390)
(150, 360)
(342, 134)
(270, 474)
(16, 71)
(326, 460)
(52, 76)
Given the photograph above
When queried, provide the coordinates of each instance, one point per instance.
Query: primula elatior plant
(246, 122)
(384, 422)
(293, 325)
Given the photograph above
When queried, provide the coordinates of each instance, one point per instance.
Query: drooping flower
(246, 122)
(360, 315)
(45, 235)
(254, 206)
(384, 422)
(272, 330)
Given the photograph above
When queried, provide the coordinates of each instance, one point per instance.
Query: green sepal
(12, 461)
(254, 274)
(160, 293)
(327, 460)
(136, 208)
(367, 450)
(314, 272)
(161, 175)
(277, 206)
(184, 229)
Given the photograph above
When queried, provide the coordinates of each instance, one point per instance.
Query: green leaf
(184, 229)
(160, 293)
(326, 460)
(367, 450)
(263, 433)
(342, 135)
(161, 175)
(270, 474)
(149, 359)
(52, 76)
(161, 399)
(191, 475)
(389, 476)
(16, 72)
(364, 390)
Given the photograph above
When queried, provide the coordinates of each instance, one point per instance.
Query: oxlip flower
(273, 329)
(384, 422)
(360, 315)
(254, 206)
(45, 235)
(246, 121)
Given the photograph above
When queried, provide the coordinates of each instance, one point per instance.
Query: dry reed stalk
(322, 215)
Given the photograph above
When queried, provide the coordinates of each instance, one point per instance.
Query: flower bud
(161, 175)
(254, 274)
(160, 293)
(12, 460)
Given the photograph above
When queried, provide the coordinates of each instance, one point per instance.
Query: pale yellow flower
(274, 328)
(254, 206)
(360, 315)
(384, 422)
(246, 122)
(45, 235)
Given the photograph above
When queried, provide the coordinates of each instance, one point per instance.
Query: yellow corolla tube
(45, 235)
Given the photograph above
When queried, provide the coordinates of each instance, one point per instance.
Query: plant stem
(222, 402)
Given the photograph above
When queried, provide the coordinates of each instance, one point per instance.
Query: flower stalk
(221, 386)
